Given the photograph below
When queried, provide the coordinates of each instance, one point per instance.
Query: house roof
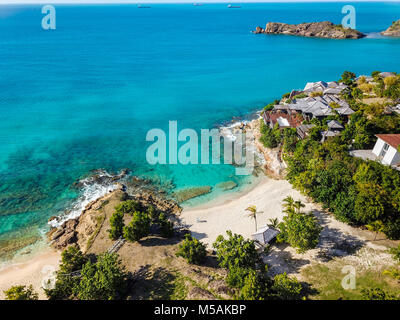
(265, 234)
(387, 74)
(283, 119)
(303, 129)
(390, 139)
(333, 124)
(333, 91)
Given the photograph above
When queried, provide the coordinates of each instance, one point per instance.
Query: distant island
(324, 29)
(393, 30)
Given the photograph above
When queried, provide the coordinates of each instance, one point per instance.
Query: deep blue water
(83, 96)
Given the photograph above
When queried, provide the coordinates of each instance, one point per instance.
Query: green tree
(300, 230)
(72, 260)
(21, 293)
(235, 251)
(129, 207)
(103, 280)
(116, 224)
(192, 250)
(286, 288)
(138, 228)
(348, 78)
(253, 288)
(166, 226)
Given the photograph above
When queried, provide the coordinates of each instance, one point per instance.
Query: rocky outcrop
(85, 228)
(323, 29)
(189, 193)
(227, 185)
(393, 30)
(274, 166)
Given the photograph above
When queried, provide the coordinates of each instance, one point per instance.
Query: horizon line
(88, 2)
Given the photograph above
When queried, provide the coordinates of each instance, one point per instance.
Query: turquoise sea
(83, 96)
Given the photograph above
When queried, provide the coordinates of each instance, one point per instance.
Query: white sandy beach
(206, 223)
(31, 272)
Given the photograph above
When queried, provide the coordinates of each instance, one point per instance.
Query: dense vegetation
(247, 273)
(21, 293)
(356, 191)
(141, 222)
(301, 230)
(79, 277)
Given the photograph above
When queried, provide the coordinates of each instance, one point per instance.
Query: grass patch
(327, 282)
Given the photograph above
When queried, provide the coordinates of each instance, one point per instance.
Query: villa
(387, 148)
(282, 117)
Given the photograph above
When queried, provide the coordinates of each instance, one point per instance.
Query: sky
(173, 1)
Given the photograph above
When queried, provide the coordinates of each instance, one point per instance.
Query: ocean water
(83, 96)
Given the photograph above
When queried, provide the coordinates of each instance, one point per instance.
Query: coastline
(206, 223)
(30, 272)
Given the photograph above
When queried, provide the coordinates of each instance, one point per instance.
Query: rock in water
(189, 193)
(324, 29)
(228, 185)
(393, 30)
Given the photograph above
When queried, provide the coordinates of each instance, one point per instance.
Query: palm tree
(298, 205)
(253, 213)
(288, 204)
(273, 223)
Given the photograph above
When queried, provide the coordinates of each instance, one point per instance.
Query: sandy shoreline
(31, 272)
(206, 223)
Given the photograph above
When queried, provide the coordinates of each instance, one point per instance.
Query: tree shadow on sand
(154, 241)
(280, 261)
(333, 242)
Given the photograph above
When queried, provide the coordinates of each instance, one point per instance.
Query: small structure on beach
(265, 235)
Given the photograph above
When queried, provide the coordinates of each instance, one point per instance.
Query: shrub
(366, 87)
(21, 293)
(254, 287)
(286, 288)
(376, 294)
(166, 226)
(138, 228)
(129, 206)
(395, 253)
(117, 225)
(192, 250)
(316, 94)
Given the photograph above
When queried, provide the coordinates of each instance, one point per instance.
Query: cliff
(393, 30)
(323, 29)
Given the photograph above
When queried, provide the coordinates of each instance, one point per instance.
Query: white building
(386, 148)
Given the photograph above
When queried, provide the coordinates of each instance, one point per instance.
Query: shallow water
(82, 97)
